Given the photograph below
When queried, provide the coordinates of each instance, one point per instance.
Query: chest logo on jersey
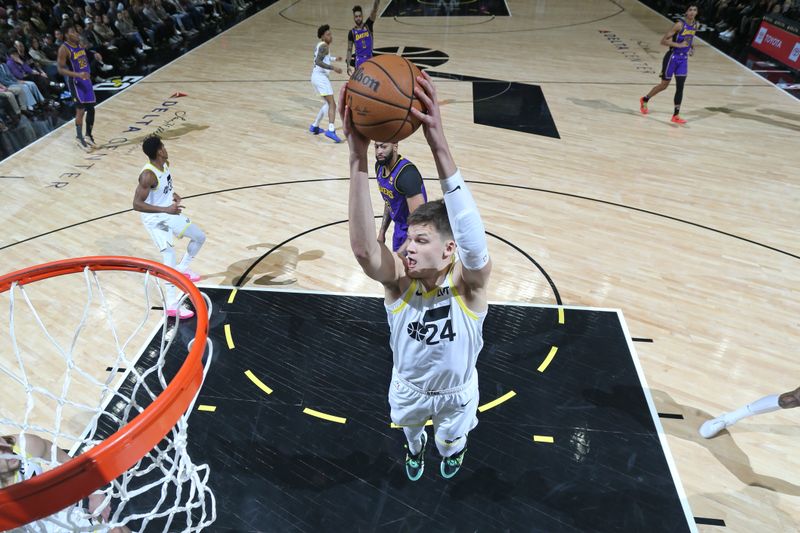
(429, 330)
(386, 192)
(366, 81)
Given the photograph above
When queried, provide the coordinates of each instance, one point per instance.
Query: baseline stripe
(494, 403)
(325, 416)
(548, 359)
(260, 384)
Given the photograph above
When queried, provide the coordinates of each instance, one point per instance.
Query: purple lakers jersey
(362, 41)
(686, 34)
(398, 207)
(82, 90)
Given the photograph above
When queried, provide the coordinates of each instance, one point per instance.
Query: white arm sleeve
(466, 223)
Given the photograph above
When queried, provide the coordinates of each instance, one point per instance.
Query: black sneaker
(88, 138)
(415, 464)
(451, 465)
(81, 142)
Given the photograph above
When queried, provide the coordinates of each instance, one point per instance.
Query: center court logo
(761, 34)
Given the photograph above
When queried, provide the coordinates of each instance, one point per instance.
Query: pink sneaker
(181, 313)
(193, 276)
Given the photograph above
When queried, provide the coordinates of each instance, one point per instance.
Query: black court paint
(275, 468)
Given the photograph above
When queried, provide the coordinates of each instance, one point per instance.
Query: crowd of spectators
(121, 35)
(735, 22)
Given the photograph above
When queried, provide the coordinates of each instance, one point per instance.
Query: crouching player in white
(435, 304)
(161, 215)
(20, 460)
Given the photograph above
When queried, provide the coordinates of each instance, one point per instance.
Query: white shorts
(322, 84)
(163, 226)
(453, 411)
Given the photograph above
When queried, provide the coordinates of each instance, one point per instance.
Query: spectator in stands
(27, 93)
(11, 104)
(23, 71)
(125, 26)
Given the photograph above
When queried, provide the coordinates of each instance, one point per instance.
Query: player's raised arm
(465, 221)
(374, 13)
(666, 40)
(377, 261)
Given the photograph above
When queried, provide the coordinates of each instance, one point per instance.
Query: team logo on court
(117, 84)
(421, 57)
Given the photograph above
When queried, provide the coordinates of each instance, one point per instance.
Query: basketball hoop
(143, 409)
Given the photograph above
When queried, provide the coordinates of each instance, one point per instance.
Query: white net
(81, 360)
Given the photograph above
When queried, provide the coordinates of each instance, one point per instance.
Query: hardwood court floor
(691, 230)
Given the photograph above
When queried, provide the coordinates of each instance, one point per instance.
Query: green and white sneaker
(415, 464)
(451, 465)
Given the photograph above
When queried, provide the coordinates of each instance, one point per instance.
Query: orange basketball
(380, 94)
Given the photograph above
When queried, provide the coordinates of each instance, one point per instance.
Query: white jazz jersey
(328, 60)
(161, 194)
(70, 519)
(435, 338)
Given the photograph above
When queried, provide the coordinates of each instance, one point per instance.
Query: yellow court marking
(542, 438)
(560, 315)
(397, 426)
(232, 296)
(547, 359)
(209, 408)
(498, 401)
(228, 337)
(260, 384)
(325, 416)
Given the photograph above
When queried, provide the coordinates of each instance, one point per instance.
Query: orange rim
(62, 486)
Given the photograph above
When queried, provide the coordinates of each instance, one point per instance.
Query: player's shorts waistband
(441, 392)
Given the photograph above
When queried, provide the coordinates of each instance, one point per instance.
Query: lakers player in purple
(676, 61)
(402, 190)
(73, 63)
(360, 36)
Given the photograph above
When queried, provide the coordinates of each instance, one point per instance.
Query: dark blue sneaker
(316, 130)
(415, 464)
(332, 136)
(451, 465)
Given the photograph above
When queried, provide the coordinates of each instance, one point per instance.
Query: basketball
(380, 94)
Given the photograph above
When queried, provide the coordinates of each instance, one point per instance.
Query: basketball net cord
(164, 490)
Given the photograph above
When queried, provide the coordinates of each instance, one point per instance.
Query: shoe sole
(422, 466)
(444, 475)
(174, 314)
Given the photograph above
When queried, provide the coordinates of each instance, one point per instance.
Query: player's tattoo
(321, 53)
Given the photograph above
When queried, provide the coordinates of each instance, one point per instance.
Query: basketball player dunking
(79, 81)
(361, 36)
(320, 79)
(160, 210)
(402, 190)
(435, 303)
(676, 61)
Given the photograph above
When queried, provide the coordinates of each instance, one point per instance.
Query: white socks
(322, 112)
(766, 404)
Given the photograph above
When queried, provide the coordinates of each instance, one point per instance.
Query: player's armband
(466, 223)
